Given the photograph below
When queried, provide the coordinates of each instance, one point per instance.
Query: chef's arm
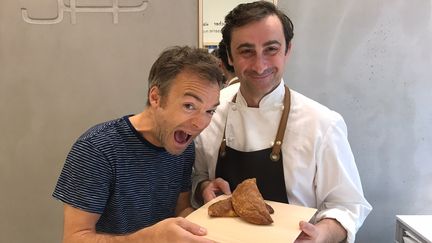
(326, 230)
(339, 191)
(332, 229)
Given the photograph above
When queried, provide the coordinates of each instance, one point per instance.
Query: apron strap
(275, 154)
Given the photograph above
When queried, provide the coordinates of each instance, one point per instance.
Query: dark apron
(265, 165)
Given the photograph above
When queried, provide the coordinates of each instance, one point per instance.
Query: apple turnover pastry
(247, 202)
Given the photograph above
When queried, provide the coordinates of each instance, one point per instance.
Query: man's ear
(288, 51)
(154, 96)
(228, 56)
(229, 59)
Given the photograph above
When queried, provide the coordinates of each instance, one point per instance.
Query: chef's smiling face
(184, 112)
(259, 54)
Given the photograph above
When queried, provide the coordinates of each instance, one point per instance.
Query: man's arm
(183, 207)
(80, 227)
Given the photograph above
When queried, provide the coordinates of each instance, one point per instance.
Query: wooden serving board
(285, 227)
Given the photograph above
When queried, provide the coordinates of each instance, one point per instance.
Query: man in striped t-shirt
(127, 179)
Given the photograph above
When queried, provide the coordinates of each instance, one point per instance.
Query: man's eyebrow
(272, 42)
(249, 45)
(245, 45)
(198, 98)
(194, 96)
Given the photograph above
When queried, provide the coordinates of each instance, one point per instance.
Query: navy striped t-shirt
(113, 171)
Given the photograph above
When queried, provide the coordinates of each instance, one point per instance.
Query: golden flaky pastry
(249, 205)
(222, 208)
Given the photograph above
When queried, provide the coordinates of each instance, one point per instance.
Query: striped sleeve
(86, 178)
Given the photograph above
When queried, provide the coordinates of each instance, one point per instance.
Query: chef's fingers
(208, 194)
(309, 230)
(223, 185)
(214, 188)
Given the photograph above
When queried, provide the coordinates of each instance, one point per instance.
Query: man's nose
(259, 64)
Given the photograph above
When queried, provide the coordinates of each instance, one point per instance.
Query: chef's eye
(211, 112)
(271, 50)
(246, 52)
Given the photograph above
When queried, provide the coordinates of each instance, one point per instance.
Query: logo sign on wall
(73, 8)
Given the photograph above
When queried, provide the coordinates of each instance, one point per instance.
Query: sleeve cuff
(196, 181)
(343, 218)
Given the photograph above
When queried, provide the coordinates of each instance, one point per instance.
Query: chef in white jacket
(296, 148)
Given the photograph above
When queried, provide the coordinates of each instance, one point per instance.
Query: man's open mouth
(182, 137)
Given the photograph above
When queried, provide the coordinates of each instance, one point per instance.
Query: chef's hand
(177, 230)
(214, 188)
(326, 230)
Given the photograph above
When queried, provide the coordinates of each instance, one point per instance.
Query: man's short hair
(176, 59)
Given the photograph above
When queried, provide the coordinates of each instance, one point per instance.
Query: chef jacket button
(278, 106)
(234, 108)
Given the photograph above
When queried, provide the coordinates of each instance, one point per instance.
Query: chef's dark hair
(246, 13)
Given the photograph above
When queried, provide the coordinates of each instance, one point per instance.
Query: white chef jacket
(319, 167)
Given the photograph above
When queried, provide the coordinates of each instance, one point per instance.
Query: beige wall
(370, 60)
(56, 81)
